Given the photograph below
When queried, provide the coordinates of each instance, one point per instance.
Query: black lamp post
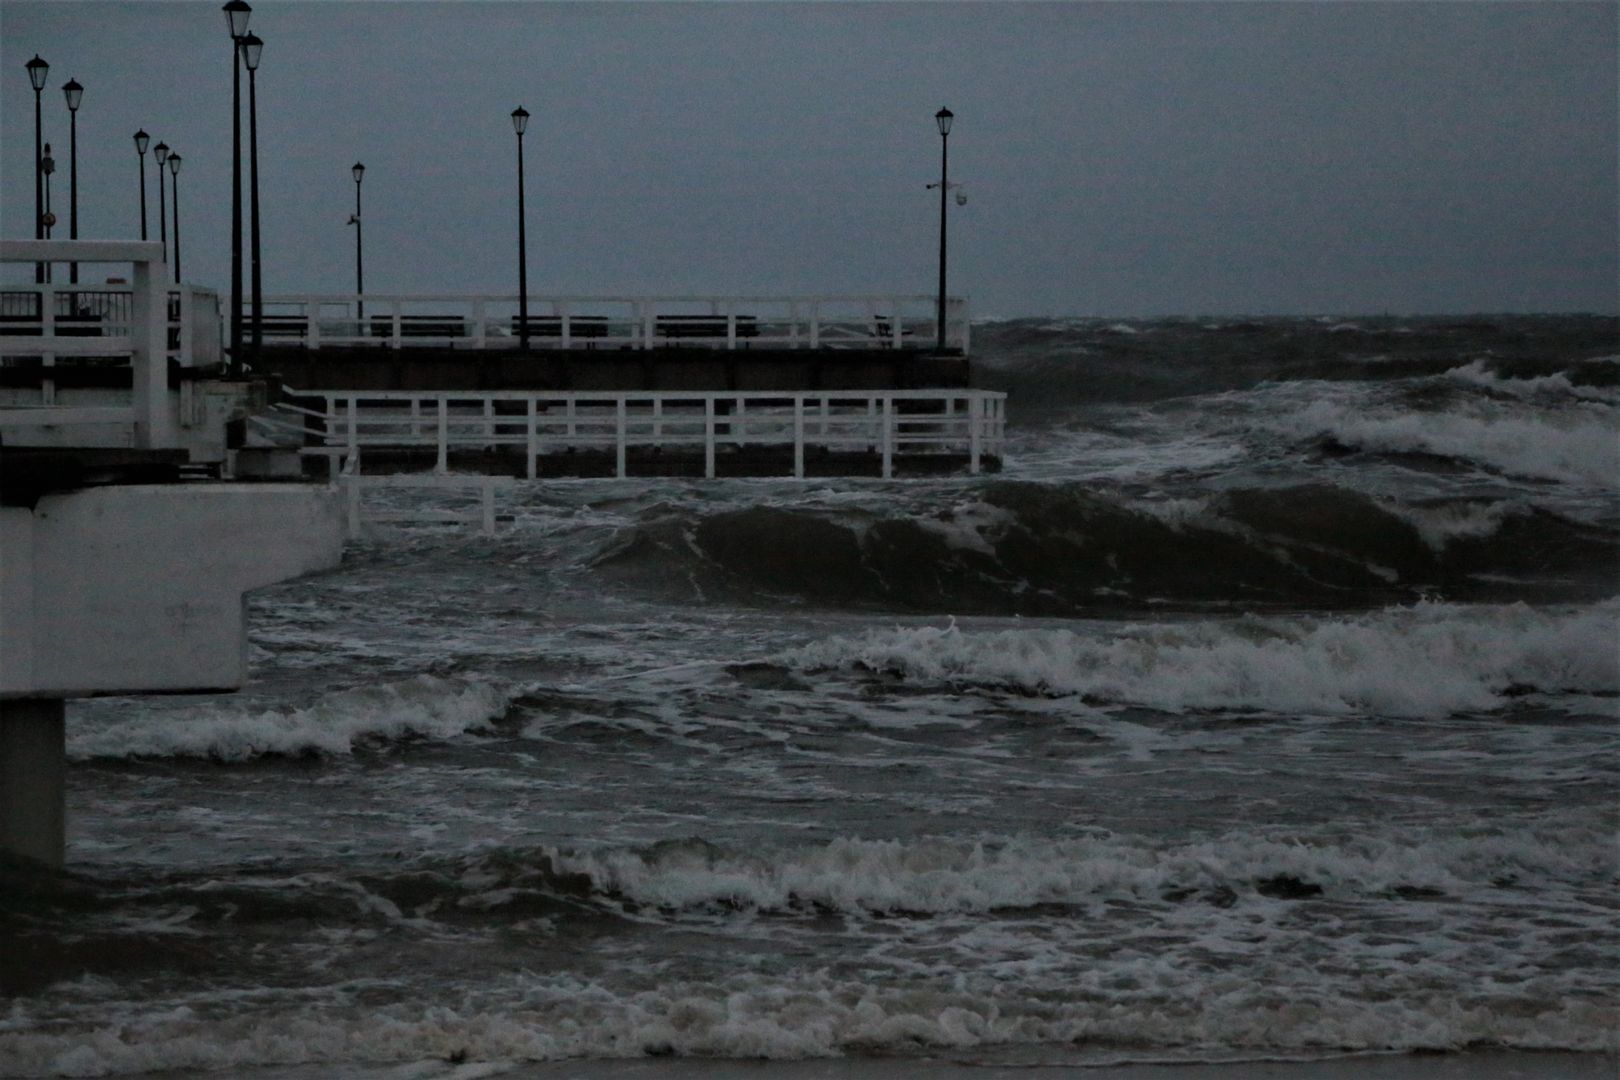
(251, 48)
(174, 170)
(160, 154)
(141, 139)
(236, 20)
(47, 165)
(520, 120)
(73, 92)
(358, 172)
(37, 71)
(943, 119)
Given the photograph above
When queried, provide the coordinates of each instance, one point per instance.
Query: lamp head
(37, 70)
(47, 163)
(161, 152)
(236, 17)
(141, 139)
(943, 118)
(174, 164)
(252, 46)
(73, 91)
(520, 119)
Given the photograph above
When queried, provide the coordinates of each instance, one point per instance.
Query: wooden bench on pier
(704, 326)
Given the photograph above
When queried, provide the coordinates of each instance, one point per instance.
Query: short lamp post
(174, 171)
(359, 173)
(252, 47)
(47, 165)
(520, 120)
(160, 154)
(141, 141)
(74, 93)
(943, 118)
(37, 72)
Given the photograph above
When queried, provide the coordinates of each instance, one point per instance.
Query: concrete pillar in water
(33, 774)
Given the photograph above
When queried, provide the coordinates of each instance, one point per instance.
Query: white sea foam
(1580, 444)
(425, 706)
(1478, 374)
(1428, 660)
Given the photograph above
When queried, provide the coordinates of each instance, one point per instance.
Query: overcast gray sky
(1119, 158)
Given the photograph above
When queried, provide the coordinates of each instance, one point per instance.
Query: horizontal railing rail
(628, 322)
(888, 423)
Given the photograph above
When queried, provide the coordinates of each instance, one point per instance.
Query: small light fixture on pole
(236, 20)
(520, 120)
(174, 171)
(943, 118)
(37, 72)
(74, 93)
(358, 172)
(141, 141)
(252, 47)
(47, 166)
(160, 154)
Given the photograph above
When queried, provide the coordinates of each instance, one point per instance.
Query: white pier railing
(890, 424)
(614, 322)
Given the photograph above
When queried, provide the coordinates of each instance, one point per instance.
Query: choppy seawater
(1264, 705)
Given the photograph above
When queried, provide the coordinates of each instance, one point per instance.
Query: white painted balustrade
(888, 423)
(614, 322)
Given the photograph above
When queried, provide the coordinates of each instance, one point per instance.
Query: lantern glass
(359, 171)
(73, 92)
(141, 139)
(252, 46)
(174, 164)
(520, 119)
(161, 152)
(236, 17)
(37, 70)
(943, 118)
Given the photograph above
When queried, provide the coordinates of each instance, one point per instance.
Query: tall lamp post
(236, 19)
(251, 48)
(943, 119)
(37, 71)
(520, 120)
(358, 172)
(160, 154)
(174, 171)
(141, 140)
(73, 92)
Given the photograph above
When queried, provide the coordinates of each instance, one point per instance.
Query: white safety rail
(614, 322)
(891, 424)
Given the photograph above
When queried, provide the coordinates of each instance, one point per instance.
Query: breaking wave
(1430, 660)
(422, 707)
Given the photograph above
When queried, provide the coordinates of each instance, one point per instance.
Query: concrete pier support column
(33, 779)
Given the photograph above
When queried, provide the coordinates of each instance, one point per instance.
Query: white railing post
(478, 315)
(731, 324)
(312, 322)
(888, 437)
(815, 324)
(619, 437)
(975, 412)
(798, 436)
(443, 465)
(149, 341)
(533, 442)
(354, 429)
(708, 438)
(565, 326)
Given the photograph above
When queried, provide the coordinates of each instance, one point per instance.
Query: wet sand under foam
(1485, 1065)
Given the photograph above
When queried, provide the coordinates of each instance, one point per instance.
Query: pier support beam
(33, 780)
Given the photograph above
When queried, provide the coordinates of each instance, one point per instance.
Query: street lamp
(141, 139)
(160, 154)
(73, 92)
(174, 170)
(358, 172)
(236, 20)
(520, 120)
(37, 71)
(943, 118)
(251, 48)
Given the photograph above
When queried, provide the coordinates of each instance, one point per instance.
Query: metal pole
(163, 209)
(73, 192)
(253, 157)
(523, 259)
(176, 194)
(236, 208)
(143, 194)
(944, 188)
(359, 256)
(39, 188)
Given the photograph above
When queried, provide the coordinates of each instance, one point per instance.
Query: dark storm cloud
(1119, 158)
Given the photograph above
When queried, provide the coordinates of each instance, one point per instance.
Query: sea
(1261, 707)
